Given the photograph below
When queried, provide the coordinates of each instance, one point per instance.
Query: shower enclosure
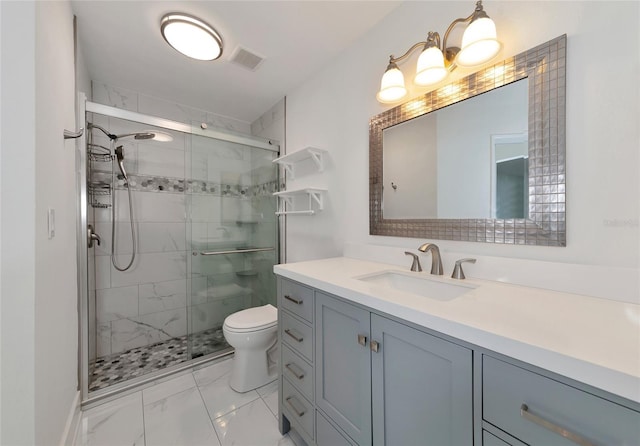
(181, 232)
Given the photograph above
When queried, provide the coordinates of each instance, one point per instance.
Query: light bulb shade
(479, 43)
(191, 36)
(430, 68)
(392, 86)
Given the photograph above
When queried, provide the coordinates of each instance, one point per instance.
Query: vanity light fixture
(191, 36)
(479, 45)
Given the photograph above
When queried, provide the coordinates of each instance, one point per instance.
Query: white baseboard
(73, 421)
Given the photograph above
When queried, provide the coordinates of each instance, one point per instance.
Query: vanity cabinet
(377, 381)
(351, 375)
(295, 342)
(422, 387)
(343, 367)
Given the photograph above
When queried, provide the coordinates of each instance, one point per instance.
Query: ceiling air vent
(246, 59)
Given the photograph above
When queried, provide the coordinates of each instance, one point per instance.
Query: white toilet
(251, 332)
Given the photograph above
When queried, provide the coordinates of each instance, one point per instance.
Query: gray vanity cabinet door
(343, 366)
(421, 388)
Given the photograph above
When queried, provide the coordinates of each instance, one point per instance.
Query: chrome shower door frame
(85, 107)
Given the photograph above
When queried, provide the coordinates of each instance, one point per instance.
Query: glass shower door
(233, 233)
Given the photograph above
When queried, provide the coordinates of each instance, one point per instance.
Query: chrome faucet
(436, 261)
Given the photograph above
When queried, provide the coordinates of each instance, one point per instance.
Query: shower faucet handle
(92, 236)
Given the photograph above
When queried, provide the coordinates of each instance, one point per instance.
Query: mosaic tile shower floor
(113, 369)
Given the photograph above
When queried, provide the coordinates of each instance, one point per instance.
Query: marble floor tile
(268, 389)
(179, 419)
(221, 399)
(271, 401)
(167, 388)
(196, 407)
(214, 372)
(115, 423)
(252, 424)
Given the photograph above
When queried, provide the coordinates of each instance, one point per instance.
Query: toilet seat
(252, 319)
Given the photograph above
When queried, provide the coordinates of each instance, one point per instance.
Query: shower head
(141, 135)
(159, 136)
(145, 135)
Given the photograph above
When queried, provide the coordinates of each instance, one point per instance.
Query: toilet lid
(253, 318)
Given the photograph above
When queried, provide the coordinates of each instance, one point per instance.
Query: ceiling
(123, 47)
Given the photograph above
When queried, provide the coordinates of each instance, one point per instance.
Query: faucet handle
(457, 270)
(415, 266)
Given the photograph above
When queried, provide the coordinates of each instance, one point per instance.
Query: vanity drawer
(521, 402)
(297, 299)
(298, 371)
(327, 435)
(297, 408)
(488, 439)
(297, 335)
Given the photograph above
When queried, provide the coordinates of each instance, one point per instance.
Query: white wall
(18, 223)
(333, 109)
(56, 314)
(39, 327)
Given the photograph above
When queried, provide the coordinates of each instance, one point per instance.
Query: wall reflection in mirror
(467, 160)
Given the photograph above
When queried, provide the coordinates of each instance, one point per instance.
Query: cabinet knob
(362, 340)
(374, 346)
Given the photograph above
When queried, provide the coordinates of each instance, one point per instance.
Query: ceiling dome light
(191, 36)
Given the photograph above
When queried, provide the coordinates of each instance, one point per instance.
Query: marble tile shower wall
(150, 105)
(183, 202)
(270, 125)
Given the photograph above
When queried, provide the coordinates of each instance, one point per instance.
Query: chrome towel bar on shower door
(233, 251)
(68, 134)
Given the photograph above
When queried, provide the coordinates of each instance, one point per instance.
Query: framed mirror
(481, 159)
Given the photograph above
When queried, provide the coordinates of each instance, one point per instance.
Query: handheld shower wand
(120, 158)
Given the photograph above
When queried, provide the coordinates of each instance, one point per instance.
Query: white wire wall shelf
(289, 198)
(288, 161)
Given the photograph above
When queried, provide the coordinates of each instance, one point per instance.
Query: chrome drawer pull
(362, 340)
(374, 346)
(289, 401)
(293, 299)
(297, 374)
(577, 439)
(297, 338)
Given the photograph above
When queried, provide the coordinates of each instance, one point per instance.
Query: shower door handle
(92, 236)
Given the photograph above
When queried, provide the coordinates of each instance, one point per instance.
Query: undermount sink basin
(421, 284)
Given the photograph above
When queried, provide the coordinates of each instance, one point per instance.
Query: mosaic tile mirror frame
(544, 66)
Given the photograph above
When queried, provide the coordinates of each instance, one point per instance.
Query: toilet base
(250, 371)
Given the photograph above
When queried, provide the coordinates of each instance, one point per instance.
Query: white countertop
(594, 341)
